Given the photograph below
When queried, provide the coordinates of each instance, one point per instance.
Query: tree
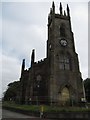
(87, 89)
(11, 92)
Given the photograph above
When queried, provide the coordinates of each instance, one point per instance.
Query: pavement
(26, 119)
(9, 115)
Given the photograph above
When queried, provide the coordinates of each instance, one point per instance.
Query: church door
(65, 96)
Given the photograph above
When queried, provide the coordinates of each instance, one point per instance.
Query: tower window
(62, 30)
(64, 63)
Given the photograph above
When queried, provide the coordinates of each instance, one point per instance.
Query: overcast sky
(24, 27)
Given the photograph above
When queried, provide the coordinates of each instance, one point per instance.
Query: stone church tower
(65, 76)
(57, 78)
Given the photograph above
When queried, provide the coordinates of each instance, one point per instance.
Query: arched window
(62, 30)
(64, 62)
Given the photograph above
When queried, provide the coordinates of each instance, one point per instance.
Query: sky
(24, 27)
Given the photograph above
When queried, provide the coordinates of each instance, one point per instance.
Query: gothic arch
(68, 85)
(64, 96)
(66, 91)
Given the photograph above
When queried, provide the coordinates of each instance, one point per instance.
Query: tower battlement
(63, 13)
(40, 61)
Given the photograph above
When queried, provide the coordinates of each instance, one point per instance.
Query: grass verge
(48, 109)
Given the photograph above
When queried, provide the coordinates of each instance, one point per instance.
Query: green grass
(37, 108)
(21, 107)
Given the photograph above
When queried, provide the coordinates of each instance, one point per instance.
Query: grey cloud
(10, 70)
(25, 13)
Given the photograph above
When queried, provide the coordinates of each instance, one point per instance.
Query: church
(55, 80)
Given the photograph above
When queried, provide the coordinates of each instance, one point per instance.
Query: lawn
(44, 108)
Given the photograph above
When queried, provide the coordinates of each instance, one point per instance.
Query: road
(10, 114)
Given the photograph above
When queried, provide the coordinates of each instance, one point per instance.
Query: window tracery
(64, 62)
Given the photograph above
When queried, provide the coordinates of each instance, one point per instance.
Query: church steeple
(53, 7)
(64, 13)
(60, 8)
(32, 57)
(23, 66)
(68, 10)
